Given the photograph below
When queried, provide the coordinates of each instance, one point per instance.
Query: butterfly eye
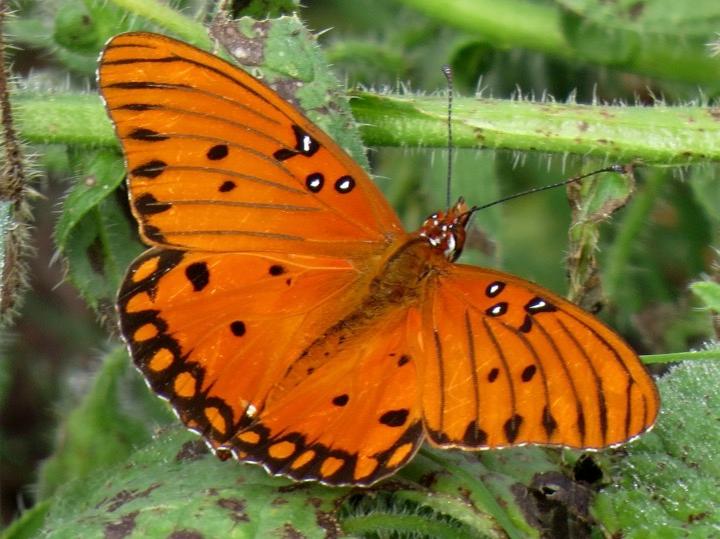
(451, 245)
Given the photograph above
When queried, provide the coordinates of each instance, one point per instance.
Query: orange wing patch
(354, 420)
(256, 174)
(511, 363)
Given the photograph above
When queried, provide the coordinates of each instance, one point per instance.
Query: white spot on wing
(306, 143)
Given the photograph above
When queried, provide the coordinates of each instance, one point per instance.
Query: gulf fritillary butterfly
(292, 322)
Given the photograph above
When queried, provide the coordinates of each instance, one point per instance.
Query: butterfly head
(445, 231)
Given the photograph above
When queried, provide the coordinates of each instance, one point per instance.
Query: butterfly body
(290, 319)
(404, 279)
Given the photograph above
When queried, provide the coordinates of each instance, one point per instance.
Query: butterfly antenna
(447, 71)
(620, 169)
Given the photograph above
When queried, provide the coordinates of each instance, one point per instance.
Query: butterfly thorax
(403, 279)
(445, 231)
(401, 282)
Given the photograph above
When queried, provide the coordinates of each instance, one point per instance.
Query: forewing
(218, 161)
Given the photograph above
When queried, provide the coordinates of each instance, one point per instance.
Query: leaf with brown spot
(198, 497)
(301, 78)
(121, 528)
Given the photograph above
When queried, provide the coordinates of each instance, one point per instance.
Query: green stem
(77, 119)
(713, 355)
(660, 135)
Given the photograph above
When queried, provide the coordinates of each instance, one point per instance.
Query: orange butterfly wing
(221, 329)
(213, 332)
(256, 174)
(511, 363)
(353, 420)
(231, 340)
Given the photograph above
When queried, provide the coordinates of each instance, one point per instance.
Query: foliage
(606, 64)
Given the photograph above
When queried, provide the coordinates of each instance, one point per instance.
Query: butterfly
(289, 318)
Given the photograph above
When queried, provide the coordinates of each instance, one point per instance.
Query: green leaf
(708, 292)
(668, 485)
(174, 486)
(103, 171)
(95, 233)
(113, 419)
(29, 524)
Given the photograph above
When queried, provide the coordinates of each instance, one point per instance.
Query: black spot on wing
(528, 373)
(512, 427)
(238, 328)
(304, 145)
(227, 186)
(315, 182)
(527, 324)
(153, 233)
(548, 422)
(341, 400)
(276, 269)
(217, 152)
(474, 436)
(147, 135)
(498, 309)
(151, 169)
(395, 418)
(283, 154)
(198, 275)
(138, 107)
(539, 305)
(494, 288)
(147, 204)
(344, 184)
(581, 424)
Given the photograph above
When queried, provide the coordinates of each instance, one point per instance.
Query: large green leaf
(669, 483)
(174, 486)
